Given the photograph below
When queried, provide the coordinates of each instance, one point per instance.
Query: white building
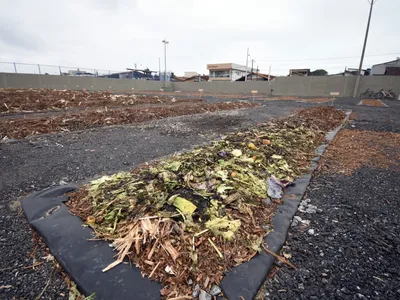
(226, 71)
(380, 69)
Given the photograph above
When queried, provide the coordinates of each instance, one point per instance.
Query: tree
(319, 72)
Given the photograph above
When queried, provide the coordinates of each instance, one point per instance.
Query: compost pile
(23, 127)
(34, 100)
(187, 219)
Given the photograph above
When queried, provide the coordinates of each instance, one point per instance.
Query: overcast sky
(116, 34)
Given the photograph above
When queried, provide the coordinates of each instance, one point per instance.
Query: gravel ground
(32, 164)
(351, 248)
(28, 165)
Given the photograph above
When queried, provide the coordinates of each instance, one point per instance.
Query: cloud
(116, 34)
(14, 36)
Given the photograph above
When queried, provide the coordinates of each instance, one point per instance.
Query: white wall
(380, 69)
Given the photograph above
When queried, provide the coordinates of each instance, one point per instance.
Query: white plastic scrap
(275, 189)
(169, 270)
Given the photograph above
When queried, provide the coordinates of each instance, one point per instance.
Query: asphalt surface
(29, 165)
(351, 249)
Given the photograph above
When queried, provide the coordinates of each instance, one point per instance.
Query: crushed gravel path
(351, 249)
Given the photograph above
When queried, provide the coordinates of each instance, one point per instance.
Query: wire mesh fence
(26, 68)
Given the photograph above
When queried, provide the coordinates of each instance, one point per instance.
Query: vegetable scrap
(187, 219)
(26, 126)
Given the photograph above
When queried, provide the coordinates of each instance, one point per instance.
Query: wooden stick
(282, 259)
(216, 249)
(152, 272)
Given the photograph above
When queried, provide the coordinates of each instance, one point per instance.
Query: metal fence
(25, 68)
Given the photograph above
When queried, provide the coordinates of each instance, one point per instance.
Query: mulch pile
(316, 118)
(370, 102)
(188, 219)
(352, 149)
(35, 100)
(22, 127)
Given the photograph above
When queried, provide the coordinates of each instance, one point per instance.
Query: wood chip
(171, 250)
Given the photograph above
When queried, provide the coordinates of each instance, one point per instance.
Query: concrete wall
(9, 80)
(297, 86)
(282, 86)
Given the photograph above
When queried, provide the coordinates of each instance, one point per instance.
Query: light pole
(371, 2)
(165, 60)
(252, 63)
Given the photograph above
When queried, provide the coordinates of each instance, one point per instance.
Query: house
(352, 72)
(380, 69)
(226, 71)
(299, 72)
(254, 76)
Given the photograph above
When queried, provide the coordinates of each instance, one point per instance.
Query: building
(299, 72)
(352, 72)
(195, 78)
(253, 76)
(145, 74)
(191, 74)
(226, 71)
(381, 69)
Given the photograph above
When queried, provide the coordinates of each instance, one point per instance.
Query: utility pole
(269, 73)
(252, 62)
(159, 68)
(371, 2)
(247, 62)
(165, 60)
(39, 69)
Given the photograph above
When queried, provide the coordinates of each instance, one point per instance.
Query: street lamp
(165, 42)
(371, 2)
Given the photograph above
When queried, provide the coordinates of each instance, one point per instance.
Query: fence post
(15, 68)
(60, 70)
(39, 69)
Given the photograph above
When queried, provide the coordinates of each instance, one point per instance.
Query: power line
(347, 57)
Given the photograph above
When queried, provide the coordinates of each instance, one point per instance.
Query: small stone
(190, 282)
(311, 231)
(267, 201)
(324, 280)
(345, 290)
(196, 291)
(204, 295)
(62, 182)
(215, 290)
(301, 286)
